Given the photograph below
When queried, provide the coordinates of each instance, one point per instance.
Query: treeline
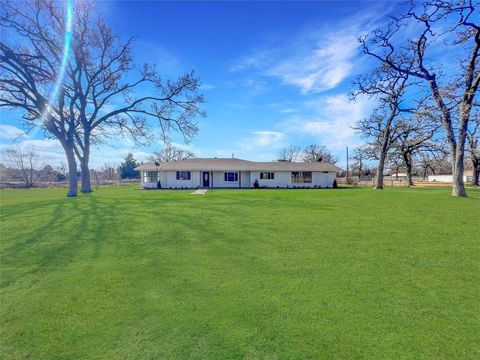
(425, 107)
(22, 166)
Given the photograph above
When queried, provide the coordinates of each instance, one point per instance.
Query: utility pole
(348, 176)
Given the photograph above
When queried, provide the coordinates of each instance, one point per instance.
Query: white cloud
(315, 60)
(207, 86)
(331, 121)
(263, 138)
(9, 132)
(322, 66)
(49, 150)
(256, 85)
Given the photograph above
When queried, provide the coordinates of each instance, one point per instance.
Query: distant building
(399, 176)
(467, 177)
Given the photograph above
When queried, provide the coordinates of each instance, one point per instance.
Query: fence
(7, 184)
(392, 182)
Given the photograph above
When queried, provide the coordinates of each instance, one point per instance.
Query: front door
(206, 179)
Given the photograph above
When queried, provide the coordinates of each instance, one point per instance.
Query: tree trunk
(84, 158)
(72, 171)
(86, 186)
(457, 148)
(476, 173)
(380, 169)
(458, 183)
(407, 158)
(384, 150)
(458, 159)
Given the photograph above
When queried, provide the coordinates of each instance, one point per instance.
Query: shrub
(255, 184)
(335, 184)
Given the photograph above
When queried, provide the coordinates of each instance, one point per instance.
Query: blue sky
(273, 73)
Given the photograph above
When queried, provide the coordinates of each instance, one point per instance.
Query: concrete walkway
(200, 192)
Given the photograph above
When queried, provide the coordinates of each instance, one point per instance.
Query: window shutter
(236, 176)
(225, 176)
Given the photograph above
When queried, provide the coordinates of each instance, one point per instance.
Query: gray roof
(229, 164)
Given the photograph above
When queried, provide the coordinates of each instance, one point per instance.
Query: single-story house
(235, 173)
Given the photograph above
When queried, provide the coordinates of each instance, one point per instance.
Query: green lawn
(240, 274)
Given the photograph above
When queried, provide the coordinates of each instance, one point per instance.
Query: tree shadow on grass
(72, 227)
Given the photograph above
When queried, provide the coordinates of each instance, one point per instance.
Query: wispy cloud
(315, 60)
(263, 138)
(331, 120)
(207, 86)
(9, 132)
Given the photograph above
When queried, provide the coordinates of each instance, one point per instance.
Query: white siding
(172, 182)
(280, 179)
(168, 180)
(219, 180)
(245, 179)
(323, 179)
(284, 179)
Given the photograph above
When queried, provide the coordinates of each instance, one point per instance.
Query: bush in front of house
(256, 185)
(335, 185)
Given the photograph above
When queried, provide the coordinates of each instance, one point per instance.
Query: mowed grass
(240, 274)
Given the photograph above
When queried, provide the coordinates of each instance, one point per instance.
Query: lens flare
(67, 42)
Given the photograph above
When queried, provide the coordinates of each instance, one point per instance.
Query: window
(267, 175)
(231, 176)
(301, 177)
(307, 176)
(183, 175)
(295, 177)
(150, 177)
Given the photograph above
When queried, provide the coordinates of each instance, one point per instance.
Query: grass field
(240, 274)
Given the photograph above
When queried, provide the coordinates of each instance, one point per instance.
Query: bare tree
(47, 174)
(434, 162)
(108, 172)
(97, 93)
(395, 163)
(318, 153)
(25, 161)
(171, 153)
(415, 136)
(359, 157)
(288, 153)
(455, 26)
(387, 87)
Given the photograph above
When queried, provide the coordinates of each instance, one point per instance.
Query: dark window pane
(295, 177)
(231, 176)
(183, 175)
(307, 176)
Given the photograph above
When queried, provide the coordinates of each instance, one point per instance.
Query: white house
(448, 178)
(236, 173)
